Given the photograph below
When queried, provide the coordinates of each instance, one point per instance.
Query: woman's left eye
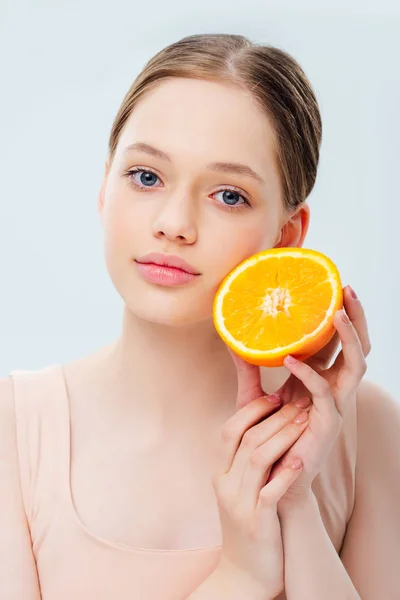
(230, 195)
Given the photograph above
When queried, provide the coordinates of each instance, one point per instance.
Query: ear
(295, 229)
(100, 198)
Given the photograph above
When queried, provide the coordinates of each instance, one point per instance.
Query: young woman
(161, 466)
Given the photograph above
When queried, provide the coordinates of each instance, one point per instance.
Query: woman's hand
(332, 390)
(253, 439)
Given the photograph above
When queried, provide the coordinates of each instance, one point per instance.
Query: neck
(172, 377)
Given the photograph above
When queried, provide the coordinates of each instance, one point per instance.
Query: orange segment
(277, 302)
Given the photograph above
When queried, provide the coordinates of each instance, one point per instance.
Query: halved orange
(277, 302)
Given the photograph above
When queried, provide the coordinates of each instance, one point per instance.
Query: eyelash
(129, 172)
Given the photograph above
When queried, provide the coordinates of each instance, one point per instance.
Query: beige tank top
(74, 564)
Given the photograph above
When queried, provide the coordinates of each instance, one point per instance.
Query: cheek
(121, 242)
(122, 227)
(234, 247)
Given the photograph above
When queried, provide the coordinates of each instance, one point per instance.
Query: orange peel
(277, 302)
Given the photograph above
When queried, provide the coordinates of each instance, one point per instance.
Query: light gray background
(65, 68)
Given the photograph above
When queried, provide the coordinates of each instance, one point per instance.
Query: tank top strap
(42, 425)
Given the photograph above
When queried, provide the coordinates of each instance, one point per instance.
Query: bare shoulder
(7, 411)
(375, 402)
(8, 435)
(378, 424)
(370, 551)
(89, 365)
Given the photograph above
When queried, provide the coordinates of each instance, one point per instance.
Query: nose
(176, 220)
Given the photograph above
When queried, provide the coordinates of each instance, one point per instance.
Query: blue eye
(148, 176)
(146, 179)
(231, 196)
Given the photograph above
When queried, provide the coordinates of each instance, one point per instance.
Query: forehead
(210, 119)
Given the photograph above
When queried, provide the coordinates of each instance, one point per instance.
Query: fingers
(274, 490)
(254, 463)
(319, 387)
(356, 314)
(350, 365)
(355, 311)
(323, 357)
(249, 381)
(251, 444)
(353, 355)
(235, 427)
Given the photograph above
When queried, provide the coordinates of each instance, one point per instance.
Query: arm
(371, 548)
(313, 569)
(370, 552)
(18, 577)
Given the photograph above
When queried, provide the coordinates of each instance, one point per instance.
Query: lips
(168, 260)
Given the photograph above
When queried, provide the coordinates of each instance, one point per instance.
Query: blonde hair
(276, 81)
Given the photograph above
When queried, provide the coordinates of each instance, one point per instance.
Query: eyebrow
(227, 167)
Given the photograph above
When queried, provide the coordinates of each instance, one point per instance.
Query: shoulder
(375, 403)
(9, 439)
(7, 410)
(378, 426)
(9, 465)
(370, 551)
(26, 396)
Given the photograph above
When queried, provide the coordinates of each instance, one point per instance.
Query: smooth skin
(257, 482)
(252, 552)
(185, 213)
(162, 393)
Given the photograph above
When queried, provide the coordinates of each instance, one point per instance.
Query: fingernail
(345, 318)
(297, 463)
(274, 398)
(302, 418)
(291, 359)
(303, 402)
(352, 292)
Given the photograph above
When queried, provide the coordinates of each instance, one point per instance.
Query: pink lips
(166, 269)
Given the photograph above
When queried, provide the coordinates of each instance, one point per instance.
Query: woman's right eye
(145, 178)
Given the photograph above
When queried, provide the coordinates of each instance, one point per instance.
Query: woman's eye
(230, 198)
(143, 178)
(146, 178)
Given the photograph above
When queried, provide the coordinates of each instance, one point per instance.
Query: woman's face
(213, 218)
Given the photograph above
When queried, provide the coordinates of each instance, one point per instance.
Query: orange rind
(277, 302)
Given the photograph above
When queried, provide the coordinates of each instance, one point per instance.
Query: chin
(179, 316)
(167, 306)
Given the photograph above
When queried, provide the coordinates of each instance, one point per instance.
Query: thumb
(249, 381)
